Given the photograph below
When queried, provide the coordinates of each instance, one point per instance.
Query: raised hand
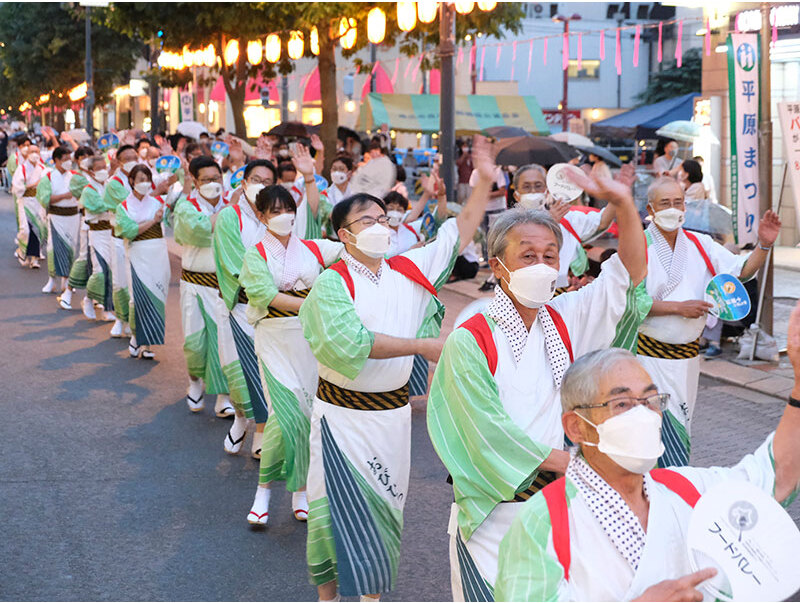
(613, 191)
(483, 157)
(626, 175)
(316, 143)
(302, 160)
(769, 228)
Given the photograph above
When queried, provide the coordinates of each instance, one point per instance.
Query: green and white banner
(744, 97)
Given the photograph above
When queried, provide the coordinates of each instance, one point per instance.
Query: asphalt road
(110, 489)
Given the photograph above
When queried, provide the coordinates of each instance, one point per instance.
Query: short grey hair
(498, 233)
(580, 383)
(526, 168)
(658, 183)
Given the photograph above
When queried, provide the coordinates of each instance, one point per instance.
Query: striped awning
(474, 113)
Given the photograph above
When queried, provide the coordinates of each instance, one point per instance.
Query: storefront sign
(789, 114)
(744, 98)
(187, 106)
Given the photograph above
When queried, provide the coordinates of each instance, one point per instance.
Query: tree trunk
(327, 87)
(235, 90)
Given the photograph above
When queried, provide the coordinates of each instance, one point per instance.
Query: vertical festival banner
(744, 98)
(187, 106)
(789, 114)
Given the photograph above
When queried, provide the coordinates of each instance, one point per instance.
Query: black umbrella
(603, 154)
(344, 133)
(505, 132)
(293, 128)
(534, 149)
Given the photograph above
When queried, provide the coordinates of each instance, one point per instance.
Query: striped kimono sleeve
(228, 254)
(191, 227)
(314, 223)
(44, 190)
(125, 226)
(76, 185)
(115, 194)
(257, 280)
(92, 201)
(332, 327)
(488, 456)
(637, 307)
(527, 570)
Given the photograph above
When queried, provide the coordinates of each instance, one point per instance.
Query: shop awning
(383, 83)
(474, 113)
(643, 122)
(250, 93)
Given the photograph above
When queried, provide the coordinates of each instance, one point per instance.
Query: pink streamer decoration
(637, 36)
(416, 69)
(580, 51)
(483, 56)
(358, 69)
(460, 57)
(618, 55)
(774, 30)
(513, 57)
(374, 68)
(396, 71)
(660, 40)
(544, 53)
(530, 59)
(564, 52)
(679, 44)
(603, 45)
(707, 37)
(736, 22)
(499, 52)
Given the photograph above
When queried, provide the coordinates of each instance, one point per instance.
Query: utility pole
(565, 94)
(373, 56)
(89, 76)
(284, 99)
(447, 99)
(765, 160)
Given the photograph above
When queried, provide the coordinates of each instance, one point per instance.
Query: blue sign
(108, 141)
(322, 184)
(729, 297)
(219, 148)
(237, 177)
(168, 163)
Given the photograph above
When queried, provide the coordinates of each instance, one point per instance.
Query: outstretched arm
(786, 444)
(472, 215)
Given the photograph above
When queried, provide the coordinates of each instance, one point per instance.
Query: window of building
(590, 69)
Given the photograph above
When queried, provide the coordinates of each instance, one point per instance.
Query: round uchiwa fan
(108, 141)
(376, 177)
(168, 163)
(237, 177)
(749, 538)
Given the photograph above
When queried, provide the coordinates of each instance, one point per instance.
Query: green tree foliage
(675, 81)
(44, 50)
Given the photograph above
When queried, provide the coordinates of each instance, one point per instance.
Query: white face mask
(143, 152)
(339, 177)
(532, 286)
(34, 158)
(373, 241)
(287, 185)
(532, 200)
(211, 190)
(143, 188)
(128, 166)
(86, 163)
(395, 218)
(101, 175)
(281, 224)
(283, 153)
(669, 219)
(67, 165)
(251, 191)
(632, 440)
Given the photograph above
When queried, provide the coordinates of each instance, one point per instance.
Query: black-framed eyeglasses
(618, 406)
(367, 221)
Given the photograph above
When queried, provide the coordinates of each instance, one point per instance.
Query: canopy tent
(643, 122)
(474, 113)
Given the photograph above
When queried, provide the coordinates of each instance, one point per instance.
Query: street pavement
(110, 489)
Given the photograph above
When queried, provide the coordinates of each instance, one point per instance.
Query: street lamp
(564, 109)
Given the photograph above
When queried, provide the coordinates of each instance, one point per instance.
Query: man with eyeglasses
(202, 310)
(365, 319)
(680, 265)
(614, 528)
(494, 416)
(530, 192)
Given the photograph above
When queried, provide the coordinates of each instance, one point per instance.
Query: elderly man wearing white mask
(613, 529)
(680, 265)
(530, 192)
(494, 415)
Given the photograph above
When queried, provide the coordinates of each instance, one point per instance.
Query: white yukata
(286, 364)
(572, 255)
(63, 222)
(405, 237)
(678, 275)
(493, 427)
(361, 438)
(117, 190)
(335, 195)
(32, 234)
(99, 220)
(612, 558)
